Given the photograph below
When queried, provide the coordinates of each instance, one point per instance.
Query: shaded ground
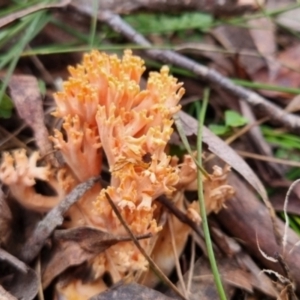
(242, 60)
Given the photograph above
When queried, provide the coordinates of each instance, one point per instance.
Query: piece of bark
(248, 220)
(72, 247)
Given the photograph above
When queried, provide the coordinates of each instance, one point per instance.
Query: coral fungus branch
(152, 264)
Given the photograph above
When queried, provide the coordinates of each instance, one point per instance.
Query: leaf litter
(63, 251)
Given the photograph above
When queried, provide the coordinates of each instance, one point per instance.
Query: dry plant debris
(98, 198)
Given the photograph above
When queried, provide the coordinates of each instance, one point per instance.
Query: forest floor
(234, 148)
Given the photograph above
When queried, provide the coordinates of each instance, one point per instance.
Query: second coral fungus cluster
(107, 118)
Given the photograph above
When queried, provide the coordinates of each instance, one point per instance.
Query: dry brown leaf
(257, 137)
(132, 291)
(22, 282)
(290, 19)
(288, 74)
(222, 150)
(72, 247)
(246, 218)
(4, 295)
(24, 91)
(240, 272)
(294, 104)
(5, 219)
(239, 40)
(233, 250)
(203, 286)
(262, 31)
(259, 281)
(278, 202)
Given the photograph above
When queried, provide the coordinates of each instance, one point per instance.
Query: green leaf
(5, 113)
(287, 154)
(42, 87)
(6, 106)
(197, 20)
(234, 119)
(219, 129)
(6, 103)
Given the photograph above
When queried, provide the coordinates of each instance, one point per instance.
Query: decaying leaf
(290, 19)
(262, 31)
(4, 295)
(286, 76)
(24, 91)
(238, 39)
(222, 150)
(202, 285)
(131, 291)
(72, 247)
(259, 281)
(246, 217)
(19, 280)
(234, 272)
(241, 260)
(293, 207)
(5, 219)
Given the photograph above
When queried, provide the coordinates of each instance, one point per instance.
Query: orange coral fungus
(20, 173)
(108, 118)
(106, 113)
(103, 107)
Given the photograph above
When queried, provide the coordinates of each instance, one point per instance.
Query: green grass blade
(39, 20)
(186, 144)
(265, 86)
(93, 24)
(208, 241)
